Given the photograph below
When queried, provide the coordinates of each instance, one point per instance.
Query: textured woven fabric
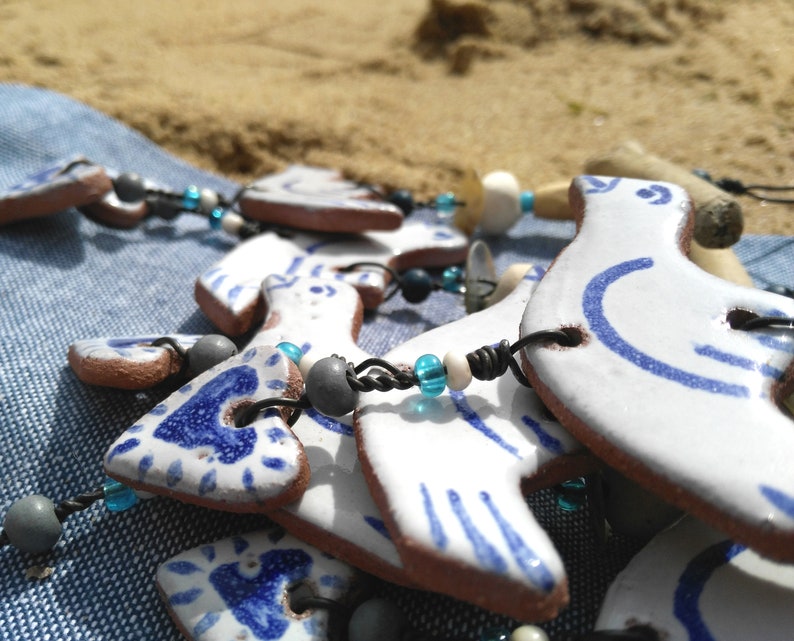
(65, 278)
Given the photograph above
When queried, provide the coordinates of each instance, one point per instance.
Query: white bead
(307, 361)
(208, 200)
(529, 633)
(458, 371)
(501, 202)
(232, 222)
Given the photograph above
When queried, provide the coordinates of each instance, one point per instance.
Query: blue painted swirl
(593, 307)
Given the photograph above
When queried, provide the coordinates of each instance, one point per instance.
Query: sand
(410, 93)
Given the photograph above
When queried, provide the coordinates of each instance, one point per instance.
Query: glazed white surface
(233, 283)
(319, 192)
(53, 178)
(690, 582)
(450, 467)
(319, 316)
(189, 447)
(661, 375)
(236, 588)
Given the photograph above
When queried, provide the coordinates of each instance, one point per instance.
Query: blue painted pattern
(593, 307)
(197, 422)
(256, 600)
(547, 441)
(528, 561)
(782, 501)
(487, 555)
(437, 534)
(661, 194)
(475, 420)
(378, 525)
(709, 351)
(328, 423)
(692, 583)
(599, 186)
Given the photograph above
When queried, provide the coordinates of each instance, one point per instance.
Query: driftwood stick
(718, 215)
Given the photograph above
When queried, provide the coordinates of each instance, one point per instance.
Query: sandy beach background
(409, 93)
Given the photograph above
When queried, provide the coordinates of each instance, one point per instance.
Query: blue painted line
(741, 362)
(437, 534)
(528, 561)
(782, 501)
(593, 307)
(552, 444)
(474, 420)
(692, 583)
(487, 555)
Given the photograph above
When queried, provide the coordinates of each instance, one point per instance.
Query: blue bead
(191, 198)
(572, 495)
(527, 200)
(291, 351)
(445, 203)
(118, 497)
(215, 218)
(432, 378)
(451, 279)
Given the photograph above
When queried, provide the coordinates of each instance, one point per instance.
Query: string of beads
(33, 524)
(332, 385)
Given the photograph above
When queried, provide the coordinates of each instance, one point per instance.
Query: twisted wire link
(78, 503)
(488, 362)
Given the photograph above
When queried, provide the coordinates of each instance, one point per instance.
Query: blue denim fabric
(64, 278)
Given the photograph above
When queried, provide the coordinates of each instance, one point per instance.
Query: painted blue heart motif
(197, 422)
(256, 601)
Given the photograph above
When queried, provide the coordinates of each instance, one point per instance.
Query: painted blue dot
(274, 463)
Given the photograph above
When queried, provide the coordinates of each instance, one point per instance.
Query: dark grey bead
(208, 351)
(32, 525)
(164, 207)
(377, 620)
(328, 389)
(129, 188)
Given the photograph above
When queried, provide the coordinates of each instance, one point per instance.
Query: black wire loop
(762, 322)
(247, 415)
(734, 186)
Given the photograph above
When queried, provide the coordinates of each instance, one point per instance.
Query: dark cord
(78, 503)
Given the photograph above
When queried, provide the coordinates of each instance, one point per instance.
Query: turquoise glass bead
(451, 279)
(572, 495)
(445, 203)
(215, 218)
(432, 377)
(291, 351)
(527, 200)
(191, 198)
(118, 497)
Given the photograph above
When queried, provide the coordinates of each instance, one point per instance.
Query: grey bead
(328, 389)
(32, 525)
(129, 188)
(377, 620)
(208, 351)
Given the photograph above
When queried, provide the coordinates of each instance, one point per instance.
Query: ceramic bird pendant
(661, 381)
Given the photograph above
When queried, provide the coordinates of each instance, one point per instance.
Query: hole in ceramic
(575, 335)
(738, 318)
(297, 595)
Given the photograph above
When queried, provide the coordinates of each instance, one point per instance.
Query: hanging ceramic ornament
(189, 447)
(132, 362)
(64, 184)
(447, 472)
(336, 512)
(690, 582)
(666, 379)
(229, 292)
(315, 199)
(263, 586)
